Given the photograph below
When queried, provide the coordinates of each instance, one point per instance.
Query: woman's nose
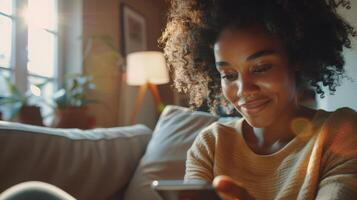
(246, 86)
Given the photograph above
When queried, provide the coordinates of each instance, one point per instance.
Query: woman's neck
(270, 139)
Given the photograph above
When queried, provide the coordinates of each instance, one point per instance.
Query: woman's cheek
(271, 83)
(266, 85)
(229, 91)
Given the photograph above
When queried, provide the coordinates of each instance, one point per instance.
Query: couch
(103, 163)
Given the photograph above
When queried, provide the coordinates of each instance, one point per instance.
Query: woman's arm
(200, 165)
(340, 183)
(200, 158)
(339, 174)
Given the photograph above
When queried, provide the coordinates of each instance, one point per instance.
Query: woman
(260, 55)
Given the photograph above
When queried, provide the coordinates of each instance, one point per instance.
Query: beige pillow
(166, 152)
(91, 164)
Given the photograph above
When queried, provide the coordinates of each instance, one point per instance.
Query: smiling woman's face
(255, 75)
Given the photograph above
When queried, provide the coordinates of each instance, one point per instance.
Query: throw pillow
(166, 152)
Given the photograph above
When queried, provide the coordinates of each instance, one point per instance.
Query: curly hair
(311, 30)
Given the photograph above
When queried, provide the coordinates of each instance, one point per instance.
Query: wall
(346, 94)
(154, 13)
(102, 17)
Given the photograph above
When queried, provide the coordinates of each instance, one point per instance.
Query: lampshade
(146, 66)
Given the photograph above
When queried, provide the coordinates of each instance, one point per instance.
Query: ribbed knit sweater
(319, 163)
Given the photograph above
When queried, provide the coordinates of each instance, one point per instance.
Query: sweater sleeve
(338, 179)
(199, 162)
(341, 183)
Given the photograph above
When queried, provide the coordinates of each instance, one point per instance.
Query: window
(6, 43)
(6, 26)
(42, 46)
(29, 45)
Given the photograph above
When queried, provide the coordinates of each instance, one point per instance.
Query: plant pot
(30, 115)
(73, 117)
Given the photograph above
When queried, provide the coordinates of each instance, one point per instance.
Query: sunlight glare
(35, 90)
(41, 14)
(301, 127)
(6, 6)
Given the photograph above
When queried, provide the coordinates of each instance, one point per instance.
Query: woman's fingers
(226, 186)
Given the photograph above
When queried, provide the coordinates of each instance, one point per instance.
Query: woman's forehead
(250, 39)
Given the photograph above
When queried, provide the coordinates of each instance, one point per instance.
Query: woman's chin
(257, 123)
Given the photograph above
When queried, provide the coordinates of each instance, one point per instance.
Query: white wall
(346, 94)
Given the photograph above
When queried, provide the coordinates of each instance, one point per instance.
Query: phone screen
(180, 190)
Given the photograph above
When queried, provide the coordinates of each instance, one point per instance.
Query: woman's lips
(255, 106)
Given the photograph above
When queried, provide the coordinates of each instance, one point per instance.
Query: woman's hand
(230, 189)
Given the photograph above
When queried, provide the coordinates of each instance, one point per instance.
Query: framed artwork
(133, 30)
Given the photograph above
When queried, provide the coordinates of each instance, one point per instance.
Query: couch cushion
(88, 164)
(166, 153)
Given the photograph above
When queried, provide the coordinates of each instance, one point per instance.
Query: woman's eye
(261, 68)
(230, 76)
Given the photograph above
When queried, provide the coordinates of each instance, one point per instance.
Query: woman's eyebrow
(255, 55)
(261, 53)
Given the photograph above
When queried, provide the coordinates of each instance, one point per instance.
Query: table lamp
(146, 69)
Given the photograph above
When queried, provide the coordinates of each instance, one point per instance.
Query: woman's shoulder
(342, 118)
(345, 113)
(340, 129)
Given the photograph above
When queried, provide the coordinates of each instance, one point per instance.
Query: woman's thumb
(230, 187)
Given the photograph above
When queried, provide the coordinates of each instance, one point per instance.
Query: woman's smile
(254, 106)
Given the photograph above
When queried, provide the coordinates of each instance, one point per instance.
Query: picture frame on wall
(134, 33)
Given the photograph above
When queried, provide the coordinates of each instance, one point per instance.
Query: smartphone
(185, 190)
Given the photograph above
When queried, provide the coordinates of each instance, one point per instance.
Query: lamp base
(139, 100)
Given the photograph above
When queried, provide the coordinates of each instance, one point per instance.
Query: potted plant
(71, 103)
(21, 107)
